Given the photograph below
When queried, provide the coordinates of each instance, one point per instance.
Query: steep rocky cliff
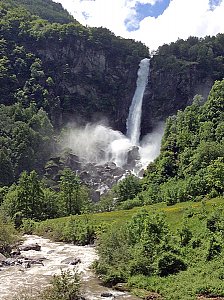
(81, 74)
(178, 72)
(100, 79)
(170, 90)
(92, 82)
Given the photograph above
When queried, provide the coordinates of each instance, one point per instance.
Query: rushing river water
(16, 280)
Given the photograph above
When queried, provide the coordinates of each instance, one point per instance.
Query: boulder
(28, 247)
(71, 261)
(122, 287)
(106, 295)
(9, 262)
(15, 252)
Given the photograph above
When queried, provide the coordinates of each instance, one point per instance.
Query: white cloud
(181, 19)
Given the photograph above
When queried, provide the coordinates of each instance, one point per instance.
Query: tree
(6, 168)
(30, 195)
(127, 188)
(70, 187)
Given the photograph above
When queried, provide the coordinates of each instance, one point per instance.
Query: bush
(170, 263)
(8, 236)
(28, 226)
(65, 286)
(129, 204)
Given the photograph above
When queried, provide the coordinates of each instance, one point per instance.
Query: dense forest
(46, 9)
(54, 70)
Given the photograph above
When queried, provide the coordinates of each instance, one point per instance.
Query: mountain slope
(70, 70)
(45, 9)
(191, 162)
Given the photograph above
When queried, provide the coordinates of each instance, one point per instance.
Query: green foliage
(142, 246)
(46, 9)
(204, 53)
(73, 229)
(127, 188)
(143, 252)
(75, 196)
(29, 195)
(106, 203)
(34, 67)
(26, 140)
(170, 263)
(65, 286)
(29, 199)
(8, 235)
(190, 165)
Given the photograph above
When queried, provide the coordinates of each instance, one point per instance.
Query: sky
(153, 22)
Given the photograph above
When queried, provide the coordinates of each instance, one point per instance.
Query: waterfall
(135, 110)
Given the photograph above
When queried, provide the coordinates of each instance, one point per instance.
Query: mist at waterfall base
(99, 144)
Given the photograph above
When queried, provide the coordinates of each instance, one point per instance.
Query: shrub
(65, 286)
(170, 263)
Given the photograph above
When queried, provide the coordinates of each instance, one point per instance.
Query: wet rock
(122, 287)
(141, 173)
(15, 252)
(95, 195)
(26, 265)
(72, 161)
(34, 247)
(106, 295)
(71, 261)
(133, 154)
(51, 251)
(27, 262)
(133, 158)
(75, 262)
(9, 262)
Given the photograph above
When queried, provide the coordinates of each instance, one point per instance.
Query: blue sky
(214, 3)
(144, 10)
(153, 22)
(155, 10)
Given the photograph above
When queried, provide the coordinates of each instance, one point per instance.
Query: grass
(172, 213)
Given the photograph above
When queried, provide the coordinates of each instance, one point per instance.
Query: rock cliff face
(92, 82)
(96, 83)
(171, 89)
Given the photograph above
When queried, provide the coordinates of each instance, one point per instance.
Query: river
(16, 280)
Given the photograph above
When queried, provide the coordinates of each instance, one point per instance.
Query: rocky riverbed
(31, 269)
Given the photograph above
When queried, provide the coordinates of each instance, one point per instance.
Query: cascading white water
(135, 111)
(99, 144)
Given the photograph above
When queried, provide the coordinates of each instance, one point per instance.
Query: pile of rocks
(16, 259)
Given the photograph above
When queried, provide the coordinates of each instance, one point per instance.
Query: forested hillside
(73, 72)
(179, 71)
(46, 9)
(191, 162)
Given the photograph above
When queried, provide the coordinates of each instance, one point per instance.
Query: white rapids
(16, 280)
